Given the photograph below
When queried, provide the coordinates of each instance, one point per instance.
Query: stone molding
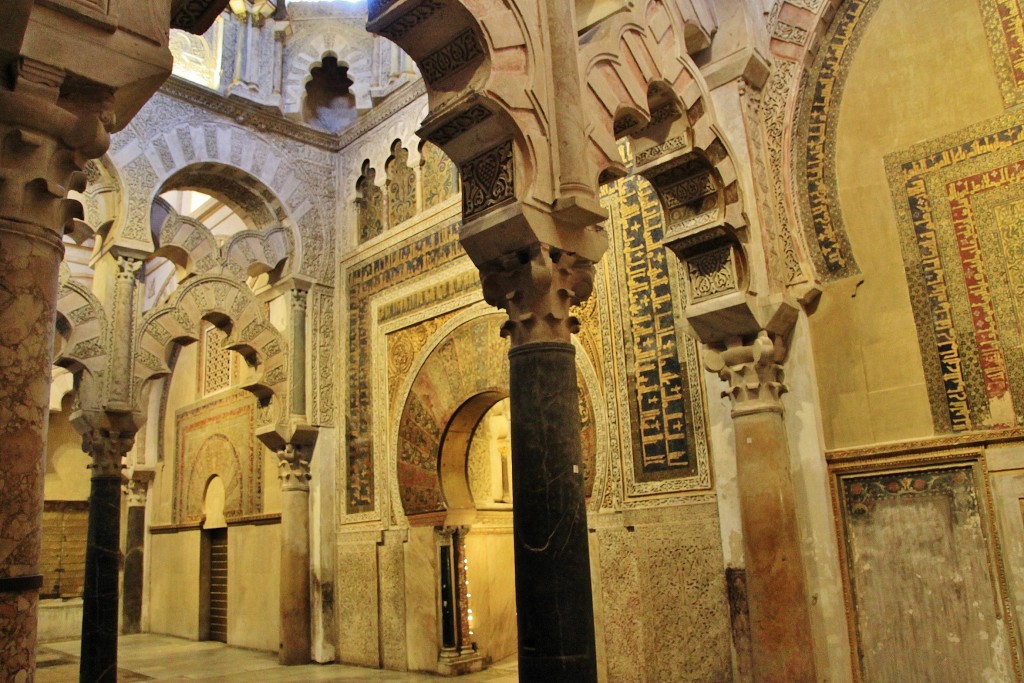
(536, 287)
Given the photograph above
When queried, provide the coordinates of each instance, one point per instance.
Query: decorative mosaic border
(938, 187)
(819, 197)
(1004, 24)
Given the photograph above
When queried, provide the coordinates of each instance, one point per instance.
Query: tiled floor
(148, 657)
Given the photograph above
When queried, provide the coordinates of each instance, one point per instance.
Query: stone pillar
(102, 555)
(45, 141)
(134, 554)
(295, 613)
(536, 286)
(780, 626)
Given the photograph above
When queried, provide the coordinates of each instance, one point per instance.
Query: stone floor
(149, 657)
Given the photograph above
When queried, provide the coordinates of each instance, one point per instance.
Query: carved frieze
(459, 124)
(452, 58)
(408, 21)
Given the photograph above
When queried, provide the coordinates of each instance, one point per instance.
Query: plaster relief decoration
(370, 204)
(960, 206)
(217, 437)
(663, 386)
(439, 176)
(198, 58)
(919, 544)
(401, 186)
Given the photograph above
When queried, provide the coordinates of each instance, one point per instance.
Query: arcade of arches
(644, 340)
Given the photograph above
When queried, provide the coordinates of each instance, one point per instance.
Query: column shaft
(780, 624)
(295, 630)
(135, 537)
(779, 620)
(99, 597)
(29, 259)
(553, 591)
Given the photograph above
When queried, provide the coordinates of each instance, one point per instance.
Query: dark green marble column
(102, 558)
(553, 593)
(135, 537)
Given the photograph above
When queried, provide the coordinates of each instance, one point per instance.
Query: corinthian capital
(107, 450)
(753, 372)
(536, 286)
(293, 467)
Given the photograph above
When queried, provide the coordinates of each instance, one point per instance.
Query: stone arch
(230, 305)
(239, 167)
(82, 343)
(194, 250)
(103, 198)
(651, 90)
(318, 84)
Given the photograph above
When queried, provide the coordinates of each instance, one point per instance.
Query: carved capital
(536, 287)
(128, 267)
(299, 301)
(135, 491)
(107, 450)
(48, 130)
(293, 467)
(753, 372)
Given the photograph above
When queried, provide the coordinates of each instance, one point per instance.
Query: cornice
(269, 121)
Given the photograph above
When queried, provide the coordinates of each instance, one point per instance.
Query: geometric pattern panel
(960, 206)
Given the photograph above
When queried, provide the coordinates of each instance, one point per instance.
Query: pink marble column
(44, 142)
(780, 625)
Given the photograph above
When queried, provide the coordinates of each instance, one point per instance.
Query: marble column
(45, 142)
(780, 625)
(295, 611)
(134, 551)
(299, 298)
(102, 555)
(536, 286)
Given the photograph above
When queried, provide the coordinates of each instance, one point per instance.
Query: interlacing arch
(650, 90)
(82, 346)
(233, 307)
(193, 249)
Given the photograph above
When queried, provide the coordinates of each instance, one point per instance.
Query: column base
(455, 664)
